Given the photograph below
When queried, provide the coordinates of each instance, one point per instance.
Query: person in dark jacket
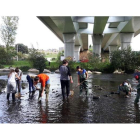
(65, 78)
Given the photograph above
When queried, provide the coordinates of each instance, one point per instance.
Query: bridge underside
(108, 33)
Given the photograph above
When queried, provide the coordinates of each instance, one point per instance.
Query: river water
(109, 108)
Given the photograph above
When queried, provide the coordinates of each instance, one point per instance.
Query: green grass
(19, 63)
(51, 55)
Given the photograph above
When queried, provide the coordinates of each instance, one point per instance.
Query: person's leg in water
(63, 85)
(68, 88)
(18, 84)
(8, 91)
(47, 87)
(30, 81)
(13, 85)
(137, 96)
(81, 86)
(85, 85)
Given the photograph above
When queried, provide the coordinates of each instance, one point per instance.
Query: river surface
(109, 108)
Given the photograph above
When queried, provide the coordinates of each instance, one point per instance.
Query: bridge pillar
(69, 41)
(76, 52)
(97, 40)
(126, 40)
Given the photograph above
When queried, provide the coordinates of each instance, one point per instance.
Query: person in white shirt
(11, 85)
(18, 81)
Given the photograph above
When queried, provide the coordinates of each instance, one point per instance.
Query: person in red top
(45, 85)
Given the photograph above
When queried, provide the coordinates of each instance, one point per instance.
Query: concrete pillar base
(76, 53)
(126, 40)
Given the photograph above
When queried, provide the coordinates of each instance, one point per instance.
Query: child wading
(82, 79)
(11, 85)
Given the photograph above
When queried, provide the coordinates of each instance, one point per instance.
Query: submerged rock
(96, 97)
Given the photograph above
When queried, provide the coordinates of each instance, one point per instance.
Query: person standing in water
(82, 79)
(65, 78)
(11, 85)
(18, 81)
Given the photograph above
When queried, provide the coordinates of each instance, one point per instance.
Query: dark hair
(17, 69)
(78, 67)
(36, 78)
(65, 61)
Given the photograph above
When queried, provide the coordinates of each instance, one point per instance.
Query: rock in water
(96, 97)
(111, 92)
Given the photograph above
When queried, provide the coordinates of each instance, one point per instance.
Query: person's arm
(17, 76)
(20, 75)
(78, 80)
(69, 74)
(86, 74)
(43, 86)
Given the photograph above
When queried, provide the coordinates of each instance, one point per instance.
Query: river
(109, 108)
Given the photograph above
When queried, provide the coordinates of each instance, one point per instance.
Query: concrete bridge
(107, 32)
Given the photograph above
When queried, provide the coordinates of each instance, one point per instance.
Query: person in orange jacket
(45, 85)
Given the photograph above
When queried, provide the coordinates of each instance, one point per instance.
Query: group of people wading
(14, 83)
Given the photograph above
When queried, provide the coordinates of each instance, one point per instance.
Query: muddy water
(110, 108)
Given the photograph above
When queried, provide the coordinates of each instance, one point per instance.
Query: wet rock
(89, 72)
(33, 70)
(23, 87)
(57, 71)
(96, 97)
(106, 95)
(100, 88)
(96, 72)
(118, 72)
(96, 86)
(46, 71)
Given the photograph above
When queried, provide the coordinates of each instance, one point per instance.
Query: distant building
(61, 49)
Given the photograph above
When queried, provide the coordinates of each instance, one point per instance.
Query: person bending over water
(82, 79)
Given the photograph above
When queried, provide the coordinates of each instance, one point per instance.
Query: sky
(31, 31)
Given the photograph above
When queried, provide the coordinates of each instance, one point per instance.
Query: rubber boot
(13, 97)
(33, 93)
(8, 95)
(30, 93)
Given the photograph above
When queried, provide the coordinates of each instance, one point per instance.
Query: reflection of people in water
(43, 112)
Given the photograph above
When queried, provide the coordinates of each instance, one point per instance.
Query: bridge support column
(76, 52)
(126, 40)
(97, 39)
(112, 48)
(69, 40)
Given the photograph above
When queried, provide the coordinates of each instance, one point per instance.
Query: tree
(37, 59)
(6, 57)
(21, 48)
(8, 30)
(124, 59)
